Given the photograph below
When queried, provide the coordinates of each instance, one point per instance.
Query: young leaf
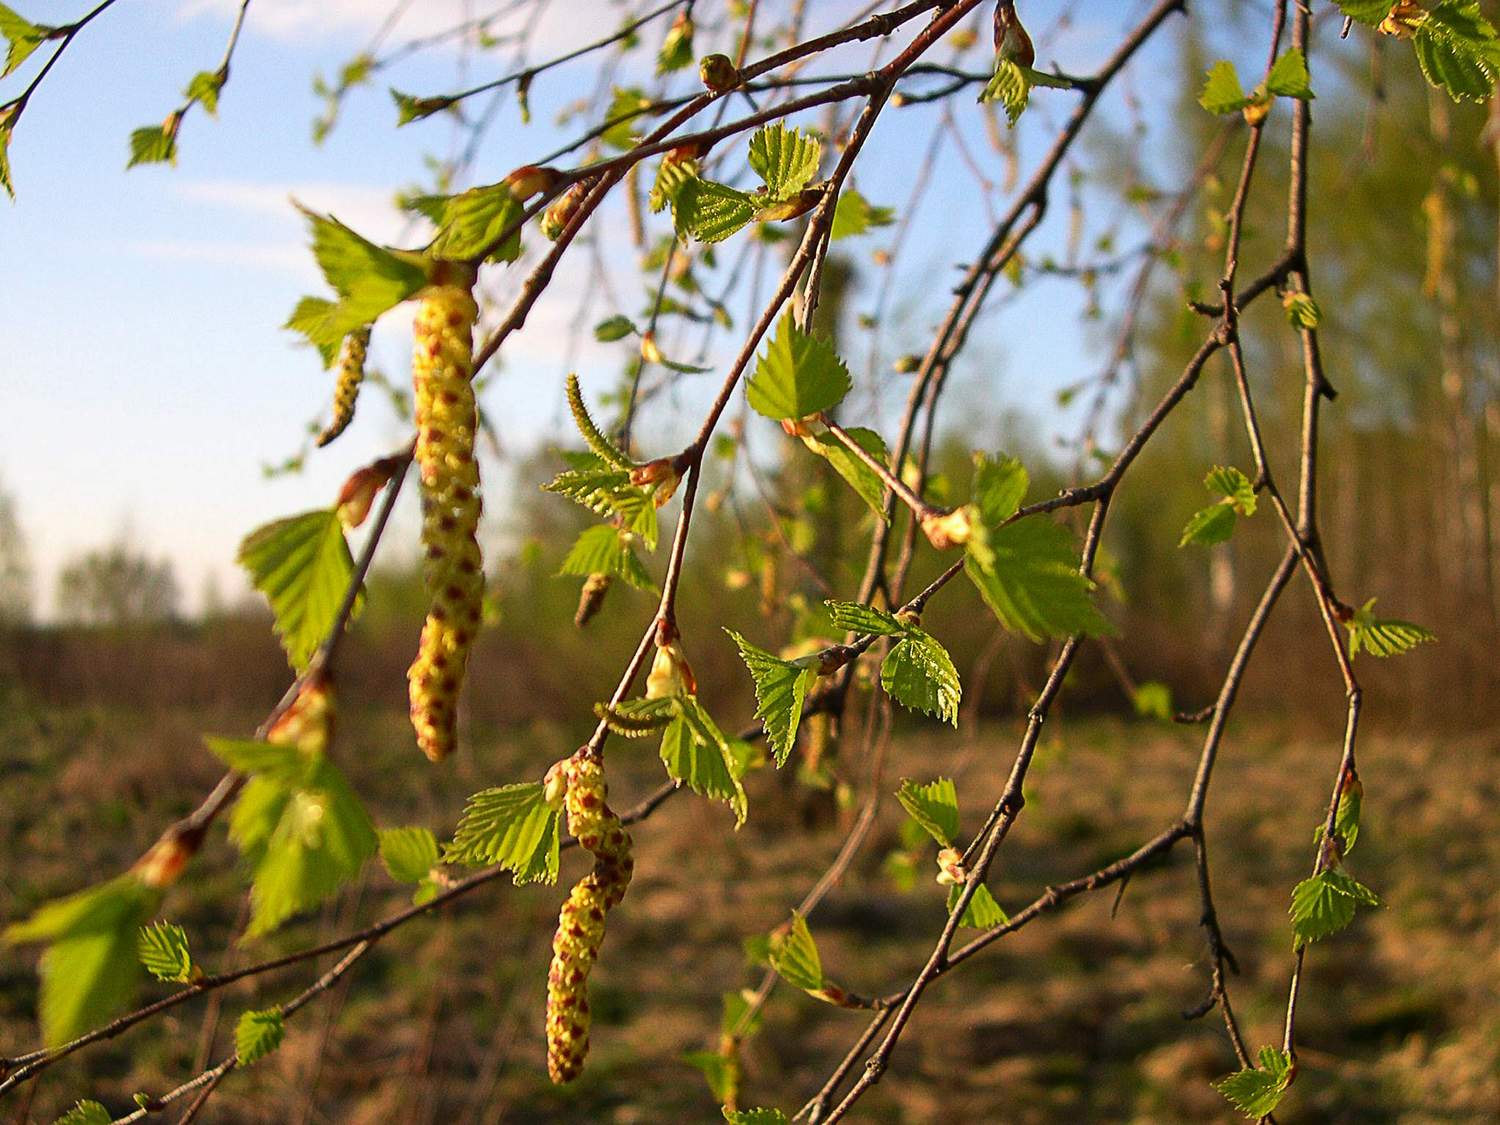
(1153, 700)
(860, 477)
(606, 450)
(410, 107)
(153, 144)
(320, 837)
(934, 806)
(86, 1112)
(409, 854)
(706, 211)
(6, 128)
(25, 37)
(1000, 485)
(1210, 525)
(982, 913)
(919, 674)
(603, 549)
(1222, 92)
(1365, 11)
(472, 221)
(1346, 817)
(1028, 575)
(853, 215)
(280, 763)
(794, 955)
(624, 112)
(1011, 87)
(786, 159)
(303, 566)
(205, 88)
(512, 826)
(1325, 903)
(1288, 76)
(717, 1070)
(368, 278)
(855, 618)
(614, 328)
(1383, 636)
(90, 968)
(163, 950)
(755, 1117)
(799, 375)
(1301, 310)
(1458, 50)
(780, 689)
(257, 1034)
(694, 750)
(677, 48)
(1256, 1092)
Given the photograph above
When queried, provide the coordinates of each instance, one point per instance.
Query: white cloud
(256, 255)
(368, 209)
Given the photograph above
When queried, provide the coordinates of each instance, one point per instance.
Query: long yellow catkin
(442, 366)
(346, 386)
(580, 925)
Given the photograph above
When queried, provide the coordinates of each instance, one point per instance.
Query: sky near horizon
(147, 380)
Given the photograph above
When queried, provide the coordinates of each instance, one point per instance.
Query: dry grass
(1074, 1019)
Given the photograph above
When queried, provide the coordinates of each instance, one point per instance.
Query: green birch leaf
(854, 215)
(933, 805)
(257, 1034)
(1288, 76)
(473, 220)
(369, 279)
(794, 955)
(511, 826)
(1383, 636)
(90, 968)
(614, 328)
(919, 674)
(1011, 87)
(1325, 903)
(799, 375)
(855, 618)
(859, 476)
(24, 36)
(7, 126)
(624, 114)
(1032, 581)
(695, 751)
(1222, 92)
(1234, 486)
(410, 107)
(1369, 12)
(1458, 50)
(780, 689)
(786, 159)
(319, 841)
(706, 211)
(1210, 525)
(163, 950)
(603, 549)
(86, 1112)
(153, 144)
(303, 566)
(1256, 1092)
(204, 89)
(408, 854)
(982, 913)
(1000, 485)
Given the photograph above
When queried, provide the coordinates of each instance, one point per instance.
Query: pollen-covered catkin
(580, 925)
(446, 417)
(346, 387)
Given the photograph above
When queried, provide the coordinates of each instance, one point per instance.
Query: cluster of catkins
(446, 418)
(580, 925)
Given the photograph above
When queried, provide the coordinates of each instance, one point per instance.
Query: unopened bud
(591, 598)
(307, 723)
(718, 73)
(555, 784)
(661, 472)
(164, 861)
(359, 491)
(671, 675)
(950, 529)
(1403, 19)
(951, 870)
(1011, 41)
(530, 179)
(650, 349)
(798, 205)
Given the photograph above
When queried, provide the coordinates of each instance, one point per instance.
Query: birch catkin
(580, 925)
(446, 417)
(346, 387)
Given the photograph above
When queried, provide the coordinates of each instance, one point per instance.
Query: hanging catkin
(346, 386)
(580, 925)
(446, 417)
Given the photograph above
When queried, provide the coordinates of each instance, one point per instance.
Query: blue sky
(146, 378)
